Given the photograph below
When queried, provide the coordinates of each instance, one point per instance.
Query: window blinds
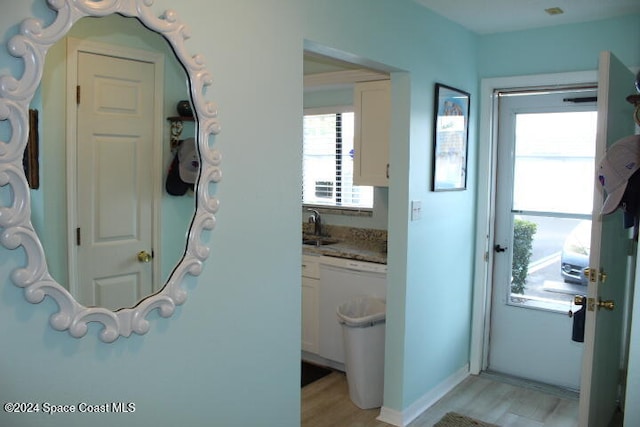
(327, 166)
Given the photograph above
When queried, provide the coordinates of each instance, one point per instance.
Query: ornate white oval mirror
(117, 298)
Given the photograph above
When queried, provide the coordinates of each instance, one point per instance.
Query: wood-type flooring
(486, 397)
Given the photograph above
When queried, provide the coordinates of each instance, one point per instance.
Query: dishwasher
(342, 280)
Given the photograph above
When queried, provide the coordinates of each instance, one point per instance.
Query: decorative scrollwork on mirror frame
(31, 45)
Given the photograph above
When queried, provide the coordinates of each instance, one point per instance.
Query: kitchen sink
(318, 241)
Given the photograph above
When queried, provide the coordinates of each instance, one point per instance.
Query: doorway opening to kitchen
(342, 201)
(344, 205)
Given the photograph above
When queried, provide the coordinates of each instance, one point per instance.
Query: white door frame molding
(486, 198)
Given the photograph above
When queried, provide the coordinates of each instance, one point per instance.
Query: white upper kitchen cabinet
(372, 106)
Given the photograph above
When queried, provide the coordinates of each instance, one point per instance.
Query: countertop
(349, 249)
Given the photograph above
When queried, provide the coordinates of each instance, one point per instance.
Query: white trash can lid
(360, 312)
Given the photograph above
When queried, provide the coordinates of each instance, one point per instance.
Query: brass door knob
(592, 304)
(144, 256)
(608, 304)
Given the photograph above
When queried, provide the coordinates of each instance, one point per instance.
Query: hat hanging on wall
(619, 175)
(188, 161)
(184, 168)
(620, 162)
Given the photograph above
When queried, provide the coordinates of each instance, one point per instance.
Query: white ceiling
(494, 16)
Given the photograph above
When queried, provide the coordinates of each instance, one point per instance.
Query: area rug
(311, 373)
(453, 419)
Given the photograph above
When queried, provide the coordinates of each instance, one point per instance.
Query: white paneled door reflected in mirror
(86, 270)
(122, 81)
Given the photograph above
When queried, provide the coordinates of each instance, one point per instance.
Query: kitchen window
(327, 162)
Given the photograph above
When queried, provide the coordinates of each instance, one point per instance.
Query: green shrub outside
(523, 232)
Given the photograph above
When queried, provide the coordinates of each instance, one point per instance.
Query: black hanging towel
(578, 325)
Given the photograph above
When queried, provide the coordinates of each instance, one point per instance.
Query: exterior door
(611, 254)
(114, 180)
(546, 149)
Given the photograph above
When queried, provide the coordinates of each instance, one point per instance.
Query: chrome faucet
(317, 222)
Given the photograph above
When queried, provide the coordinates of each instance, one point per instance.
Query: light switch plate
(416, 210)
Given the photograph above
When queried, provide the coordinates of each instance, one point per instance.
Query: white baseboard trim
(402, 419)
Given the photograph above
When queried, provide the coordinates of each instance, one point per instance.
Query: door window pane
(548, 270)
(552, 203)
(554, 162)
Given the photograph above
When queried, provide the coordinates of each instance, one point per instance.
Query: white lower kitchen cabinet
(328, 282)
(310, 302)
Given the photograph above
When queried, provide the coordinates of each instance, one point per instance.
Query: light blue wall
(240, 314)
(231, 355)
(238, 311)
(558, 49)
(430, 275)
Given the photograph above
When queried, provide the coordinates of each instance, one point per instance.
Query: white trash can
(363, 325)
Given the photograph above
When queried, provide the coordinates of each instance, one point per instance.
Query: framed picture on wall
(450, 136)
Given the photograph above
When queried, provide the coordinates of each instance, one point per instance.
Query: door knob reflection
(144, 256)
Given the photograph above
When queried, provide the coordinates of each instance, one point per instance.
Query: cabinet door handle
(387, 170)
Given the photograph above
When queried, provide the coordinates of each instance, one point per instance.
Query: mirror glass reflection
(111, 233)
